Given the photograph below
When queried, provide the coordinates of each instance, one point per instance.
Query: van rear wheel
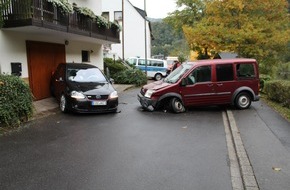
(243, 101)
(177, 105)
(158, 76)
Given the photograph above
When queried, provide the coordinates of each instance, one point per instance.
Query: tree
(251, 28)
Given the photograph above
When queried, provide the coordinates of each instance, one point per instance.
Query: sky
(156, 8)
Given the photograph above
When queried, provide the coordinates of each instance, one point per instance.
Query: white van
(156, 68)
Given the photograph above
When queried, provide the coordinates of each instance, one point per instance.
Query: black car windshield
(86, 75)
(177, 73)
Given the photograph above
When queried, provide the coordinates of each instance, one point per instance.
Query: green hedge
(16, 101)
(123, 75)
(278, 91)
(131, 76)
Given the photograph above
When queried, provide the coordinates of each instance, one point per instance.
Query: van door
(199, 89)
(224, 83)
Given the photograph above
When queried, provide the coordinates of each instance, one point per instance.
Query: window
(106, 15)
(224, 72)
(118, 16)
(85, 56)
(245, 70)
(155, 63)
(132, 61)
(200, 74)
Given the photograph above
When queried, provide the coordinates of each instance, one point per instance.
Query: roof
(223, 61)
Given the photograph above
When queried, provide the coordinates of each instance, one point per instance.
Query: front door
(199, 89)
(43, 59)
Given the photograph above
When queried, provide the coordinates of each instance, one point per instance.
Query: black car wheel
(177, 105)
(243, 101)
(63, 104)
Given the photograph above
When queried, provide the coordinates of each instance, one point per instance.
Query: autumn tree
(252, 28)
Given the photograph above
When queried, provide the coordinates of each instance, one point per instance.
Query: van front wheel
(158, 76)
(177, 105)
(243, 101)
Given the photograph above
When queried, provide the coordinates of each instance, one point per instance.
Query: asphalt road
(138, 150)
(131, 150)
(266, 137)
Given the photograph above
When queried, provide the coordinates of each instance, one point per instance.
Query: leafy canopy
(252, 28)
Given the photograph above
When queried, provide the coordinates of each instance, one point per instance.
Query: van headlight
(77, 95)
(113, 95)
(149, 93)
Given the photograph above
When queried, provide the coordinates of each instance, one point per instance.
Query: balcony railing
(42, 13)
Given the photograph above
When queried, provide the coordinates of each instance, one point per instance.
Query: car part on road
(177, 105)
(243, 100)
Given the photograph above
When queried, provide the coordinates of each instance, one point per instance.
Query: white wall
(13, 49)
(134, 32)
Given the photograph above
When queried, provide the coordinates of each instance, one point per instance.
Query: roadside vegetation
(124, 74)
(15, 101)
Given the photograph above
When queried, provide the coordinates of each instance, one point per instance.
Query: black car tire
(243, 101)
(177, 105)
(158, 77)
(63, 104)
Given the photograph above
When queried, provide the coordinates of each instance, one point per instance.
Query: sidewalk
(50, 105)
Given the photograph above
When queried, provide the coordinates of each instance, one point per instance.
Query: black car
(83, 88)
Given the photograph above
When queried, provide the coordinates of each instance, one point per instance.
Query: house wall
(134, 33)
(13, 49)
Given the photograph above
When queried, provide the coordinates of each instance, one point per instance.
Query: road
(136, 150)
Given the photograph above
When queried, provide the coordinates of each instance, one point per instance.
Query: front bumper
(85, 106)
(146, 103)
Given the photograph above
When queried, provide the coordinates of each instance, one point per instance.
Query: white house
(133, 39)
(38, 35)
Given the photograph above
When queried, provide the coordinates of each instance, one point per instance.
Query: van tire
(243, 100)
(63, 104)
(177, 105)
(158, 77)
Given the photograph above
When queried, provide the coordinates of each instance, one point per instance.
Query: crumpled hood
(156, 85)
(92, 88)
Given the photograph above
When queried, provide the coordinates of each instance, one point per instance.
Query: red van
(203, 83)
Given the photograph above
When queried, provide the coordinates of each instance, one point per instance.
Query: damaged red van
(204, 83)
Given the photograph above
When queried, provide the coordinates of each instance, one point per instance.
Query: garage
(42, 59)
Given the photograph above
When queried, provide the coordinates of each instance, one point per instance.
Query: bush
(15, 101)
(264, 78)
(114, 68)
(131, 76)
(278, 91)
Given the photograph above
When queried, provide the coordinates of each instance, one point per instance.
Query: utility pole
(145, 31)
(123, 32)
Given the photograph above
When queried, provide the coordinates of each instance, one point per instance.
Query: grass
(283, 111)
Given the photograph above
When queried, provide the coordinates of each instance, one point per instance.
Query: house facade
(133, 39)
(39, 34)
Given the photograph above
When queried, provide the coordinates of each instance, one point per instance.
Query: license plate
(99, 103)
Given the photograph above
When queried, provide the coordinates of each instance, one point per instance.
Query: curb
(242, 173)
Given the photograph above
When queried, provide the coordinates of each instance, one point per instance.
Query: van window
(132, 61)
(224, 72)
(245, 70)
(141, 62)
(200, 74)
(155, 63)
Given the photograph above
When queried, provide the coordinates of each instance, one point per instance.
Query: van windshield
(177, 73)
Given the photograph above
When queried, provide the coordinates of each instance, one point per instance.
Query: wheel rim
(62, 103)
(244, 101)
(158, 77)
(179, 106)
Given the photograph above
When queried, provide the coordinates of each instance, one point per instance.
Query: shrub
(15, 101)
(278, 91)
(263, 78)
(114, 68)
(131, 76)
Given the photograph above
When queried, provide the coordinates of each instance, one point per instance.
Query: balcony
(43, 14)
